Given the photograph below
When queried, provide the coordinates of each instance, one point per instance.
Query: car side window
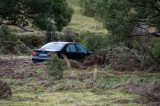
(71, 48)
(81, 49)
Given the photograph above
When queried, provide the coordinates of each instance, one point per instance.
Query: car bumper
(40, 59)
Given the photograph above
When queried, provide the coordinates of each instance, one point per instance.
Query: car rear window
(53, 46)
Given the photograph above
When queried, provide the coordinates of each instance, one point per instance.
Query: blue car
(72, 50)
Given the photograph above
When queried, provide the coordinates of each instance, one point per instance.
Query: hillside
(82, 23)
(79, 23)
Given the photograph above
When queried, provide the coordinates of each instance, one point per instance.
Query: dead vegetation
(24, 76)
(19, 68)
(148, 93)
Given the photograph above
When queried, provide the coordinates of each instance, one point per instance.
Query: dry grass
(73, 90)
(76, 89)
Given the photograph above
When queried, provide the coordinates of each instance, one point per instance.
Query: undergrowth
(10, 44)
(56, 67)
(73, 89)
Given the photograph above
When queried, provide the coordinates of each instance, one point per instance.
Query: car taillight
(33, 53)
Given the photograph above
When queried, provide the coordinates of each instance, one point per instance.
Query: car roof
(61, 42)
(49, 46)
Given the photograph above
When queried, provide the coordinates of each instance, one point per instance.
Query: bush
(70, 35)
(6, 34)
(59, 36)
(94, 41)
(122, 58)
(32, 41)
(155, 49)
(148, 92)
(89, 7)
(56, 67)
(10, 43)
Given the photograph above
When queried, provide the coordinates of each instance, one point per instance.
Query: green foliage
(94, 41)
(10, 43)
(7, 40)
(68, 35)
(71, 35)
(5, 34)
(155, 49)
(44, 14)
(122, 58)
(121, 17)
(82, 23)
(89, 7)
(56, 67)
(32, 41)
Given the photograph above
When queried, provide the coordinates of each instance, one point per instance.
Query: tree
(122, 16)
(44, 14)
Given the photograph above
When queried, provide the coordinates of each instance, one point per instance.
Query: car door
(81, 51)
(71, 51)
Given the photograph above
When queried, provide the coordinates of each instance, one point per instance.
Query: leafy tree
(44, 14)
(122, 16)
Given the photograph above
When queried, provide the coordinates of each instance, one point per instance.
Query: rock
(5, 90)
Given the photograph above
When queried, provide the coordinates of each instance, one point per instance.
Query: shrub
(89, 7)
(32, 41)
(147, 92)
(59, 36)
(7, 40)
(5, 34)
(56, 67)
(10, 43)
(70, 35)
(155, 49)
(121, 58)
(94, 41)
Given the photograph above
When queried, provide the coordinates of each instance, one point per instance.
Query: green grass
(73, 92)
(69, 98)
(78, 97)
(82, 23)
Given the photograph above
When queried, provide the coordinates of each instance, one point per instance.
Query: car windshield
(53, 46)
